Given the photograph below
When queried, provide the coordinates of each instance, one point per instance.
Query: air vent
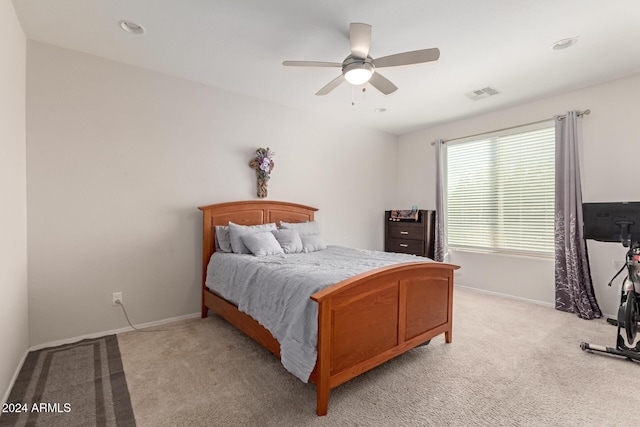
(482, 93)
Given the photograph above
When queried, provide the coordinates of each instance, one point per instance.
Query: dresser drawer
(406, 246)
(399, 230)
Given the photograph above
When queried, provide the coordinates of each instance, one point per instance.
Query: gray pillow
(223, 240)
(303, 228)
(309, 234)
(236, 231)
(312, 243)
(289, 240)
(262, 244)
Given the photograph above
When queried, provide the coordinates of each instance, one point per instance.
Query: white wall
(119, 159)
(611, 144)
(14, 326)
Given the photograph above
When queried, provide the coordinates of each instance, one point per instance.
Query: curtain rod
(580, 113)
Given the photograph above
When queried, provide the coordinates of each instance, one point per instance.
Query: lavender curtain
(574, 289)
(440, 250)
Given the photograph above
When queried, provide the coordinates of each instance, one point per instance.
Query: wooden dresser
(410, 237)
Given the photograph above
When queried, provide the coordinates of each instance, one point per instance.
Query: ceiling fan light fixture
(358, 72)
(358, 76)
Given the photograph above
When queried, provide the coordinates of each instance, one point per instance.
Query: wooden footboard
(373, 317)
(362, 321)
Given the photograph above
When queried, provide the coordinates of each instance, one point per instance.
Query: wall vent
(485, 92)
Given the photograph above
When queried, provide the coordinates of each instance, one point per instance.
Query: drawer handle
(404, 232)
(404, 245)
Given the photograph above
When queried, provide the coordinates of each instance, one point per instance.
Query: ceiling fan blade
(331, 85)
(310, 64)
(407, 58)
(360, 39)
(382, 84)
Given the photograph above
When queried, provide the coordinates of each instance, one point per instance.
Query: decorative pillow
(236, 231)
(262, 243)
(303, 228)
(289, 240)
(223, 240)
(312, 243)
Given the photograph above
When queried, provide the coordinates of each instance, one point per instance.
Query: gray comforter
(275, 291)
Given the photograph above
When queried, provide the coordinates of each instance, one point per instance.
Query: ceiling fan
(360, 68)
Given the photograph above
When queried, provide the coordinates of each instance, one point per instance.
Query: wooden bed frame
(362, 321)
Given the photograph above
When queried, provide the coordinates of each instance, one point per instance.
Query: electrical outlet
(117, 297)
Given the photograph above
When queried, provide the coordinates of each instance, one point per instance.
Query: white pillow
(309, 234)
(262, 244)
(312, 243)
(289, 240)
(303, 228)
(223, 240)
(236, 231)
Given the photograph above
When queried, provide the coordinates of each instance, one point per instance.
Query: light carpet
(511, 363)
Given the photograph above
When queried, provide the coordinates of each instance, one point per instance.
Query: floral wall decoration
(263, 164)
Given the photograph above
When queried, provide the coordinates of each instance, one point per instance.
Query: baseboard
(498, 294)
(113, 331)
(532, 301)
(15, 377)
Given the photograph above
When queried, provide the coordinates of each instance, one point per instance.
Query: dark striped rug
(79, 384)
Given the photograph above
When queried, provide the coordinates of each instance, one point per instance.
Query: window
(500, 192)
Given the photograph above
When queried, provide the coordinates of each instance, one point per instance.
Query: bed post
(207, 250)
(323, 386)
(448, 333)
(205, 309)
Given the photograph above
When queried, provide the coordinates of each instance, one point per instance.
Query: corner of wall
(14, 319)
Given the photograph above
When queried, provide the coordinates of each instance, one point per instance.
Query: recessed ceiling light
(132, 27)
(564, 43)
(379, 110)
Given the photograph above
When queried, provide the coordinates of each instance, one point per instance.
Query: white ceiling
(239, 45)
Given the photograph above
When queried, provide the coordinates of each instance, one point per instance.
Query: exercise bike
(628, 311)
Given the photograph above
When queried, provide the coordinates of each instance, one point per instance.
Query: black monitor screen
(612, 222)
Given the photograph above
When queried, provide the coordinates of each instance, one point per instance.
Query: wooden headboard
(250, 212)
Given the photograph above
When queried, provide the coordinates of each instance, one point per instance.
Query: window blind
(500, 192)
